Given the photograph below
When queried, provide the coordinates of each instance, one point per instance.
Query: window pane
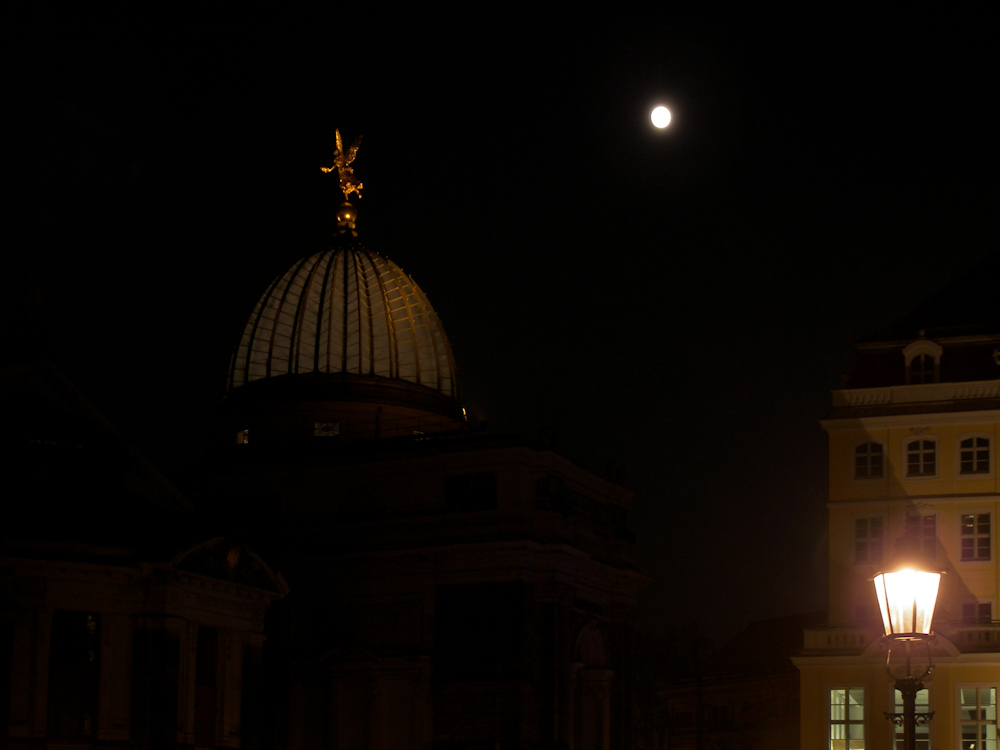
(988, 701)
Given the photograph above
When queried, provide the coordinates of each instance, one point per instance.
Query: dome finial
(346, 216)
(342, 164)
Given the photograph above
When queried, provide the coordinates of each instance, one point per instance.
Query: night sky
(678, 303)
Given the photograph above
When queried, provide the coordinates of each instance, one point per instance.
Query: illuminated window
(847, 719)
(243, 437)
(923, 732)
(974, 455)
(868, 463)
(977, 613)
(921, 458)
(978, 718)
(976, 536)
(923, 531)
(868, 541)
(326, 429)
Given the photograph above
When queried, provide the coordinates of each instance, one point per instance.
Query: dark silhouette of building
(445, 588)
(119, 624)
(745, 696)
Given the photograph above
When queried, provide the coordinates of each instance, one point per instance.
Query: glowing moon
(660, 117)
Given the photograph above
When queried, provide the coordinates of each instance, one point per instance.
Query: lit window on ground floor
(847, 719)
(978, 718)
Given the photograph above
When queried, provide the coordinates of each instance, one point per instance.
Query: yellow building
(912, 451)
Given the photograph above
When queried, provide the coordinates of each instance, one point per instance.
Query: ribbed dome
(345, 310)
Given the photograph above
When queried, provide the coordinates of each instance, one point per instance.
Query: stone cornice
(862, 504)
(912, 394)
(905, 420)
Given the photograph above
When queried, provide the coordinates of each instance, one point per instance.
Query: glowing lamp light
(906, 599)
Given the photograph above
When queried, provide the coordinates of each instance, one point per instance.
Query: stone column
(185, 683)
(29, 676)
(230, 681)
(595, 709)
(115, 700)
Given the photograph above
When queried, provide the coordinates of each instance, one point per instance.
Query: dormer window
(922, 369)
(923, 362)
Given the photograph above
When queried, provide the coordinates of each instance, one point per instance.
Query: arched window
(974, 455)
(923, 362)
(922, 369)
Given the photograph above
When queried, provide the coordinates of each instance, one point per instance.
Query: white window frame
(992, 534)
(922, 514)
(854, 459)
(922, 347)
(854, 539)
(977, 603)
(958, 704)
(906, 457)
(846, 723)
(991, 462)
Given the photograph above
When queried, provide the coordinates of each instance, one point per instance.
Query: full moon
(660, 117)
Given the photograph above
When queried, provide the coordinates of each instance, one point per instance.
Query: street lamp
(906, 599)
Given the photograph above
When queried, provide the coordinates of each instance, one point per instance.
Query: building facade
(912, 461)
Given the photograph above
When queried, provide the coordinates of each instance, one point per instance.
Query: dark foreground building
(445, 588)
(746, 695)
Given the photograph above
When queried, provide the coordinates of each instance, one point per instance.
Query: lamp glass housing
(906, 599)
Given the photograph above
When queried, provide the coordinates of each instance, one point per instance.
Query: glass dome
(345, 310)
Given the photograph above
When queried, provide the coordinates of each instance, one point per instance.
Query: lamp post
(906, 599)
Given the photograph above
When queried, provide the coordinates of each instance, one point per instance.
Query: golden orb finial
(346, 216)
